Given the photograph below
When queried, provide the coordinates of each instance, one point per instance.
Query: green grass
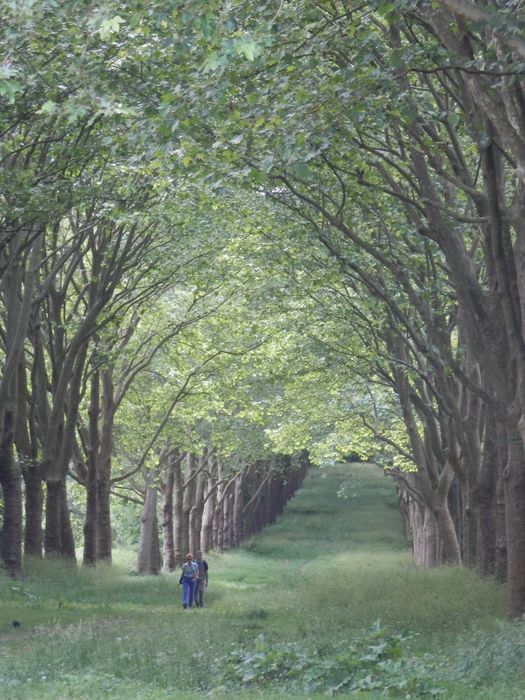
(323, 573)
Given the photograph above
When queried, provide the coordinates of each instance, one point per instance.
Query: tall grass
(324, 572)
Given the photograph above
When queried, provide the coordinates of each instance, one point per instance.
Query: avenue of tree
(237, 237)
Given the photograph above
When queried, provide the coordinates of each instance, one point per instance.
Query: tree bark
(91, 515)
(34, 506)
(31, 473)
(217, 523)
(226, 514)
(196, 514)
(187, 502)
(148, 562)
(68, 551)
(104, 534)
(18, 284)
(515, 524)
(500, 565)
(168, 552)
(53, 530)
(206, 542)
(237, 523)
(11, 482)
(178, 495)
(426, 542)
(450, 551)
(484, 496)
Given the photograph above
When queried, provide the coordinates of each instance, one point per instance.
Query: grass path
(328, 569)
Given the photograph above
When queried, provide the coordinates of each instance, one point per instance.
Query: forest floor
(325, 601)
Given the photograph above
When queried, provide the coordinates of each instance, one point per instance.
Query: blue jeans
(188, 590)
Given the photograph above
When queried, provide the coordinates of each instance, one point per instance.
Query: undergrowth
(371, 661)
(288, 615)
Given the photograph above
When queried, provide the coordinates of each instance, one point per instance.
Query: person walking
(190, 574)
(202, 580)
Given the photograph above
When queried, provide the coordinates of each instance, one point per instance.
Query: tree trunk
(31, 472)
(227, 512)
(187, 502)
(148, 543)
(17, 290)
(104, 534)
(403, 501)
(462, 510)
(178, 494)
(53, 528)
(486, 527)
(450, 551)
(218, 525)
(207, 517)
(11, 482)
(273, 499)
(196, 514)
(515, 525)
(237, 523)
(485, 497)
(216, 528)
(91, 516)
(431, 540)
(500, 565)
(34, 506)
(218, 520)
(91, 519)
(252, 509)
(68, 542)
(168, 552)
(426, 543)
(59, 447)
(155, 546)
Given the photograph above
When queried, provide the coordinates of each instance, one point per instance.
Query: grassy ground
(308, 586)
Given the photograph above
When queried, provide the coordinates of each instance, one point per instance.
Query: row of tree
(203, 510)
(397, 132)
(123, 323)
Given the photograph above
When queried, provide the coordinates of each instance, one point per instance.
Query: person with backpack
(190, 574)
(202, 581)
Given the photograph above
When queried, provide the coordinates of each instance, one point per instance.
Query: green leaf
(213, 61)
(109, 26)
(10, 89)
(302, 171)
(246, 46)
(48, 108)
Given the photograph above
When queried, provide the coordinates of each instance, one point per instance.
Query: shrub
(487, 657)
(372, 661)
